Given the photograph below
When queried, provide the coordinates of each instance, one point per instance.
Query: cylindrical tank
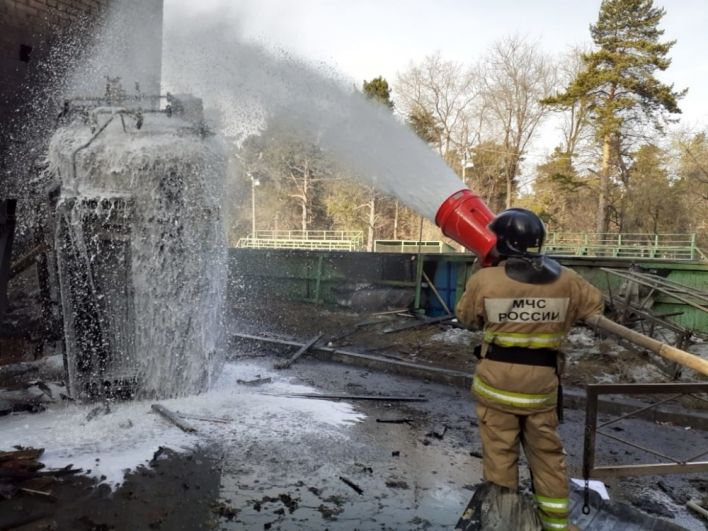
(140, 251)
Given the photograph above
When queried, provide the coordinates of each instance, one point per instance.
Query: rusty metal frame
(7, 232)
(670, 465)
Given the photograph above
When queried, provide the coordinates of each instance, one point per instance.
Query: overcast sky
(366, 38)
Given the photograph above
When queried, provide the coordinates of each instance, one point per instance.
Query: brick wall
(34, 12)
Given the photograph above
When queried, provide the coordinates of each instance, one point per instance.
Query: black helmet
(517, 230)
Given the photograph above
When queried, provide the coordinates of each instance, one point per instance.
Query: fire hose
(674, 354)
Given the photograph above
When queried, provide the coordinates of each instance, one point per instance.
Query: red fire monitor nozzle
(464, 217)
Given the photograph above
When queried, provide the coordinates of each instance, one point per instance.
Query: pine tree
(618, 80)
(378, 89)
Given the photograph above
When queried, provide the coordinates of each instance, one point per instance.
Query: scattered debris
(103, 409)
(365, 469)
(162, 451)
(284, 364)
(438, 431)
(15, 370)
(697, 508)
(330, 513)
(11, 405)
(679, 496)
(455, 336)
(256, 382)
(21, 473)
(206, 419)
(16, 521)
(353, 485)
(652, 506)
(381, 347)
(173, 417)
(39, 493)
(291, 503)
(395, 421)
(224, 510)
(26, 398)
(368, 322)
(392, 312)
(397, 484)
(42, 387)
(417, 324)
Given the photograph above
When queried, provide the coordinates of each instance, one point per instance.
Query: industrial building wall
(28, 30)
(33, 32)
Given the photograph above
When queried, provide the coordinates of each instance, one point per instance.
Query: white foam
(249, 83)
(162, 186)
(455, 336)
(130, 434)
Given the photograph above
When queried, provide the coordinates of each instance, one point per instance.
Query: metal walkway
(681, 247)
(310, 240)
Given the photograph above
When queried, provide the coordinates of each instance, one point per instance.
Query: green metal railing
(411, 246)
(638, 246)
(323, 240)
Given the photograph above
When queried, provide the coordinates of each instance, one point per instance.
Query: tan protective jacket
(517, 314)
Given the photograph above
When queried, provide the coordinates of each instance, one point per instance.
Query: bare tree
(513, 78)
(441, 94)
(295, 165)
(576, 126)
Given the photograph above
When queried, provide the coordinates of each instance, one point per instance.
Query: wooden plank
(173, 417)
(285, 364)
(26, 454)
(436, 293)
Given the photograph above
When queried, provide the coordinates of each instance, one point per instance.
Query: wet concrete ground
(411, 479)
(408, 477)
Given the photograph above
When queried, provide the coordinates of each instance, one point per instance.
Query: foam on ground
(111, 445)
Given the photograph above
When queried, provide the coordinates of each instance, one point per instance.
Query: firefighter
(525, 303)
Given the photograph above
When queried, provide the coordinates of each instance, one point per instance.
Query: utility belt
(541, 357)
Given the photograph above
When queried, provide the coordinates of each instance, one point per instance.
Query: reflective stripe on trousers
(553, 512)
(517, 339)
(552, 505)
(509, 398)
(553, 523)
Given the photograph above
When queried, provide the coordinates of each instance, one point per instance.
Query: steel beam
(675, 466)
(658, 469)
(647, 389)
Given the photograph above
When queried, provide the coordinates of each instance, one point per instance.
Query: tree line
(615, 167)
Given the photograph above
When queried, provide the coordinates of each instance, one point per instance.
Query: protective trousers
(501, 434)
